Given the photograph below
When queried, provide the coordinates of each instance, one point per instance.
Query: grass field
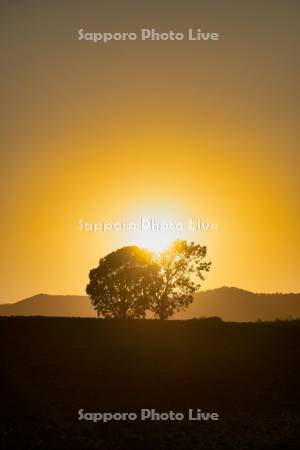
(52, 367)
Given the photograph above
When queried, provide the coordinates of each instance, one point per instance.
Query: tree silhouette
(181, 267)
(122, 284)
(131, 280)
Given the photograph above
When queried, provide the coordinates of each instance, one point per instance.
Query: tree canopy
(120, 286)
(130, 281)
(181, 269)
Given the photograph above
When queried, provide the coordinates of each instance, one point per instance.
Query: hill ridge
(227, 302)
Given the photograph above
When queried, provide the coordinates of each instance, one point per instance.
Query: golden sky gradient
(173, 129)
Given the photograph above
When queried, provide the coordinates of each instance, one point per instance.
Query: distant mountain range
(50, 305)
(233, 304)
(228, 303)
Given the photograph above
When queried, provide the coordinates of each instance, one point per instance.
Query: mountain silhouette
(228, 303)
(50, 305)
(233, 304)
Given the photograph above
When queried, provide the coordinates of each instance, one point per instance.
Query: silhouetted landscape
(230, 304)
(52, 367)
(149, 162)
(129, 358)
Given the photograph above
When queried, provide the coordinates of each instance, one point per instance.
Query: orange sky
(172, 129)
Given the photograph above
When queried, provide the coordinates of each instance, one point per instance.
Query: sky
(175, 130)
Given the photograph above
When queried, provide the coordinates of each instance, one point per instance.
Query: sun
(157, 230)
(154, 241)
(159, 223)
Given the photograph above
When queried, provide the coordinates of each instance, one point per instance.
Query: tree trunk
(162, 309)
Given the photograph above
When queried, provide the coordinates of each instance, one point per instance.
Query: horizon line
(201, 290)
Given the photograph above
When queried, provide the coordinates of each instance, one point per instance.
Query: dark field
(52, 367)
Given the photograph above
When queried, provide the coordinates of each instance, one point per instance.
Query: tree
(181, 268)
(122, 284)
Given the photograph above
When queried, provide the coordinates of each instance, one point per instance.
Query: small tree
(121, 286)
(181, 268)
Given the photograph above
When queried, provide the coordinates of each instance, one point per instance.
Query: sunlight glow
(154, 241)
(158, 229)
